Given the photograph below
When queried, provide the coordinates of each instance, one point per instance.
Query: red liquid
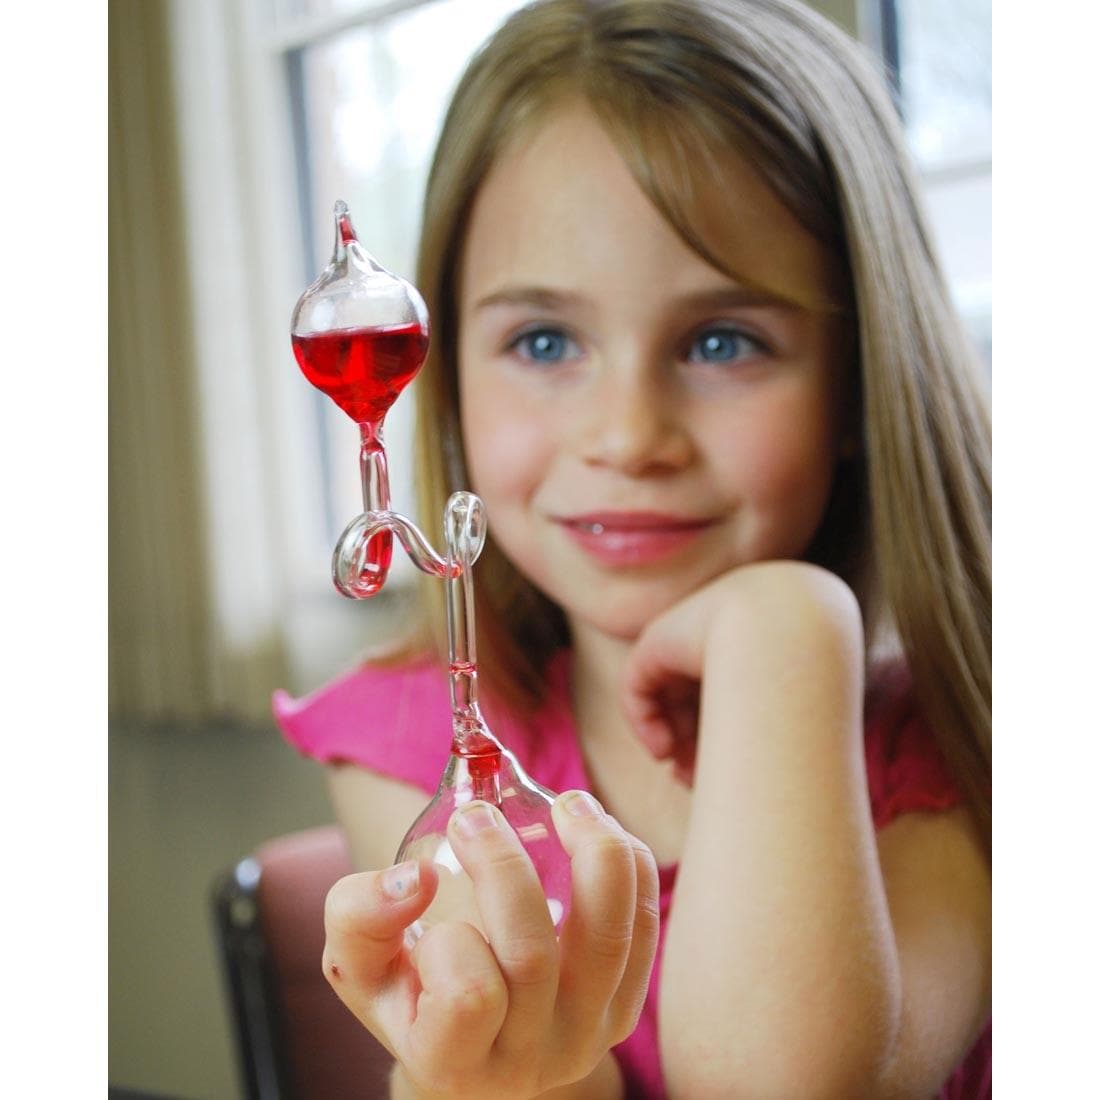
(482, 758)
(362, 370)
(376, 567)
(378, 553)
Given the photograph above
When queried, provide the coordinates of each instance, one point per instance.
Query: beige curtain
(168, 658)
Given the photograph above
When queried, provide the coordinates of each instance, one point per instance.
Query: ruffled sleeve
(395, 721)
(905, 771)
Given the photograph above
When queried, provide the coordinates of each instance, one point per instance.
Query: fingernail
(582, 804)
(402, 881)
(475, 818)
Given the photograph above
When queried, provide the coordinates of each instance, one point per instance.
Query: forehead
(537, 205)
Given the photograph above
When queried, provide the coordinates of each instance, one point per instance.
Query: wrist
(400, 1086)
(605, 1082)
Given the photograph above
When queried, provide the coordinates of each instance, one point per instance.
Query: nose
(631, 422)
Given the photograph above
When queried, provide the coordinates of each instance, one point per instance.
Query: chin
(622, 630)
(622, 619)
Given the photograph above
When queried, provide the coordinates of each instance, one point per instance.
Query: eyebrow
(548, 298)
(740, 296)
(537, 296)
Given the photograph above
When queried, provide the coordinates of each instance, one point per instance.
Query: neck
(598, 663)
(637, 790)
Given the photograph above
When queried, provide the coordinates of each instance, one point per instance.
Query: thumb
(366, 914)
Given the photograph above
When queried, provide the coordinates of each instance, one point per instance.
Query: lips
(633, 538)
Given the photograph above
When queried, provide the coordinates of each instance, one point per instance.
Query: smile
(632, 538)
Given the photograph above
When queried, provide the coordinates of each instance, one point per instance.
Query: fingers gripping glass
(360, 334)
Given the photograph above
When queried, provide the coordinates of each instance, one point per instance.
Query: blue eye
(545, 345)
(722, 345)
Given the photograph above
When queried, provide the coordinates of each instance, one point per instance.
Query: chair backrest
(295, 1039)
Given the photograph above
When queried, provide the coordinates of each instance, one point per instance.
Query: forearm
(780, 972)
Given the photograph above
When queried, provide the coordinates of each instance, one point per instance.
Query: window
(944, 69)
(368, 83)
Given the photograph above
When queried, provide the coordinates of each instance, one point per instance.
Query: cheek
(506, 451)
(783, 461)
(508, 455)
(790, 464)
(501, 462)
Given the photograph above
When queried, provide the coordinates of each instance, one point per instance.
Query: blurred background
(233, 127)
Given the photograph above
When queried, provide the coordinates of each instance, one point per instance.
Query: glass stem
(373, 472)
(375, 479)
(465, 714)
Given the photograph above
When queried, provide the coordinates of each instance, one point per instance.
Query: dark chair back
(295, 1039)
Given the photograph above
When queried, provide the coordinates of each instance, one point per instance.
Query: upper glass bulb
(359, 332)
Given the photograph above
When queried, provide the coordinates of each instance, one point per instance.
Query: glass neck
(466, 716)
(373, 471)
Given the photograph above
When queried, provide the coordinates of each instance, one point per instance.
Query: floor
(185, 803)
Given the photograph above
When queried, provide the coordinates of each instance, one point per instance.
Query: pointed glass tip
(345, 231)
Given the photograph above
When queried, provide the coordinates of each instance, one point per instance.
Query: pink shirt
(396, 721)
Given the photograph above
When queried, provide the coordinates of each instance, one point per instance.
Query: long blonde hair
(675, 83)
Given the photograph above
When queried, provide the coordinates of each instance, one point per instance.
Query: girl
(693, 349)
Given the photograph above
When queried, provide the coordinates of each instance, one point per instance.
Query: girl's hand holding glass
(509, 1009)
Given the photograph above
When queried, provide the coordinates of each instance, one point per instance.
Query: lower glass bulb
(482, 768)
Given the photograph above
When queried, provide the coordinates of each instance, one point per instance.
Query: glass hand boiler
(360, 335)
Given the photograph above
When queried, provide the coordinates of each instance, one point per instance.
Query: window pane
(945, 51)
(373, 100)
